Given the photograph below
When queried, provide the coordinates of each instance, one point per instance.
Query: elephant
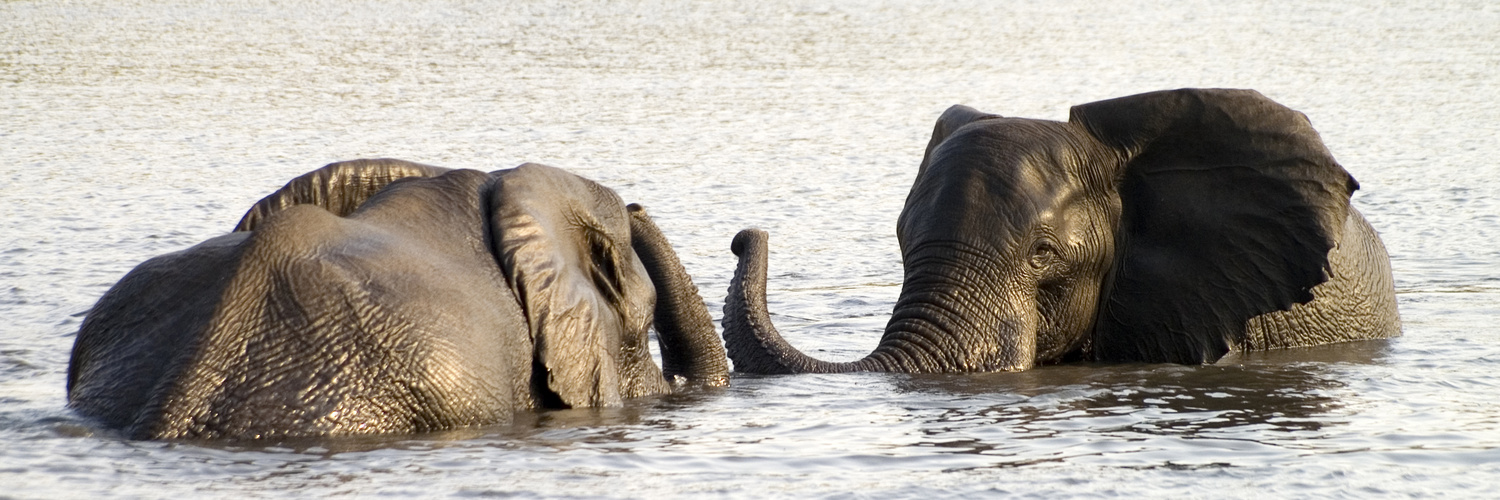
(385, 296)
(1166, 227)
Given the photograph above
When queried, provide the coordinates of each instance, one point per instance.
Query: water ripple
(134, 128)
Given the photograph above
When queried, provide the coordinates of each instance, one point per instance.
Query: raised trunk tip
(751, 340)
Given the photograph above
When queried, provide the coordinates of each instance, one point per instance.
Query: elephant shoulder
(1357, 302)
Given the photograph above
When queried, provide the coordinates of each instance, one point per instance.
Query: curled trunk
(752, 341)
(932, 329)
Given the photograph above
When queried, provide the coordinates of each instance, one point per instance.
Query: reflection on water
(131, 129)
(1274, 399)
(606, 430)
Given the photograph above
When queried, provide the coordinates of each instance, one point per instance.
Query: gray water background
(131, 128)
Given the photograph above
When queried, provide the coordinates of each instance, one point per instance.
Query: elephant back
(339, 187)
(395, 319)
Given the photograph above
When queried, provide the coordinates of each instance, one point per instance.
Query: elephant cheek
(1066, 317)
(639, 375)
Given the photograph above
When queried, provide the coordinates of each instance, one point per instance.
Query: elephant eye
(1043, 254)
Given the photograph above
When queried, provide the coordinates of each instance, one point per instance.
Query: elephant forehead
(1003, 174)
(1015, 156)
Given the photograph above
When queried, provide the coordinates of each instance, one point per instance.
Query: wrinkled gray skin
(1173, 226)
(383, 296)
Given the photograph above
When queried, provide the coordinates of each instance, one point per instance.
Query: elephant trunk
(689, 346)
(934, 327)
(953, 317)
(752, 341)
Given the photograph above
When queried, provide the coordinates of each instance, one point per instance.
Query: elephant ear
(337, 187)
(564, 244)
(1230, 204)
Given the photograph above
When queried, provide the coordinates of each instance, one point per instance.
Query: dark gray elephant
(1172, 226)
(379, 296)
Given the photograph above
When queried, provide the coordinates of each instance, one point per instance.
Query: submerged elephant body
(386, 296)
(1172, 226)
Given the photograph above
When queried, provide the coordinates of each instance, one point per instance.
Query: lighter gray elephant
(1172, 226)
(383, 296)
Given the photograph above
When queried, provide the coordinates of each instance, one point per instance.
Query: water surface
(131, 129)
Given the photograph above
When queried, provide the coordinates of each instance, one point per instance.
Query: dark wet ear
(951, 120)
(564, 243)
(1230, 204)
(337, 187)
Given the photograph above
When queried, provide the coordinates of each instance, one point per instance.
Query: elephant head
(387, 296)
(1171, 226)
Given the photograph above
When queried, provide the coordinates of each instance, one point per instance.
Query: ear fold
(564, 243)
(1230, 205)
(337, 187)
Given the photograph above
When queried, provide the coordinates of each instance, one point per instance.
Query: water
(130, 129)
